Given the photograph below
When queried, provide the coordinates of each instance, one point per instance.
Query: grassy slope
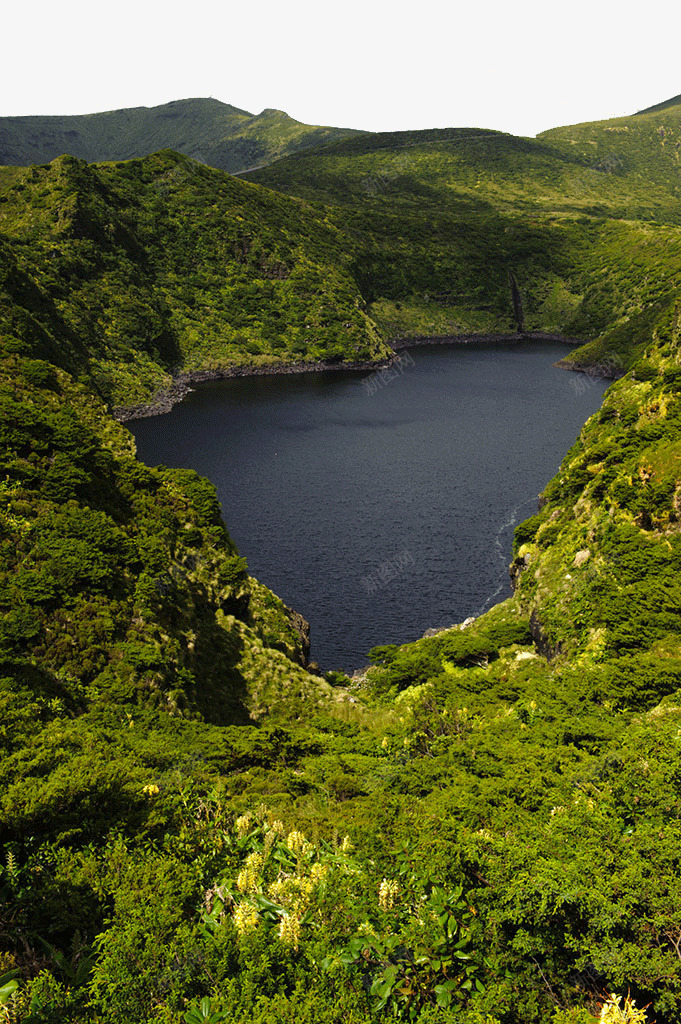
(209, 131)
(641, 150)
(120, 584)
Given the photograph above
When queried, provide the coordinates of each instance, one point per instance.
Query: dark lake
(379, 507)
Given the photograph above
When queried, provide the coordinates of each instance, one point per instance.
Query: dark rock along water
(381, 508)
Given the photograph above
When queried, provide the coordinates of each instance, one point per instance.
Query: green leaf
(266, 904)
(382, 990)
(443, 993)
(356, 945)
(7, 991)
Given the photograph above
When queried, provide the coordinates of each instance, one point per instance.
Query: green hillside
(443, 221)
(121, 273)
(641, 150)
(484, 826)
(211, 132)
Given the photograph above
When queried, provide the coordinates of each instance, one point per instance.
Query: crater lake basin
(381, 504)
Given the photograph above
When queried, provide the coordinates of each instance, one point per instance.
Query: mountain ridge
(220, 134)
(204, 128)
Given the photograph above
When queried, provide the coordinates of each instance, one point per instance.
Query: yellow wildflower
(289, 930)
(388, 891)
(612, 1012)
(247, 879)
(298, 844)
(245, 918)
(277, 889)
(243, 824)
(318, 871)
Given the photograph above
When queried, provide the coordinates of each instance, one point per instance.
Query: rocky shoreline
(164, 400)
(513, 338)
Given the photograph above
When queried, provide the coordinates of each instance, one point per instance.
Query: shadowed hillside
(463, 230)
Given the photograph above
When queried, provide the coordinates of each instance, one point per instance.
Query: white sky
(518, 67)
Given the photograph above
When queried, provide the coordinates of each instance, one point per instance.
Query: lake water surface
(379, 507)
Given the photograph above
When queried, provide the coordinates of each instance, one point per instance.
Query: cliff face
(120, 582)
(598, 566)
